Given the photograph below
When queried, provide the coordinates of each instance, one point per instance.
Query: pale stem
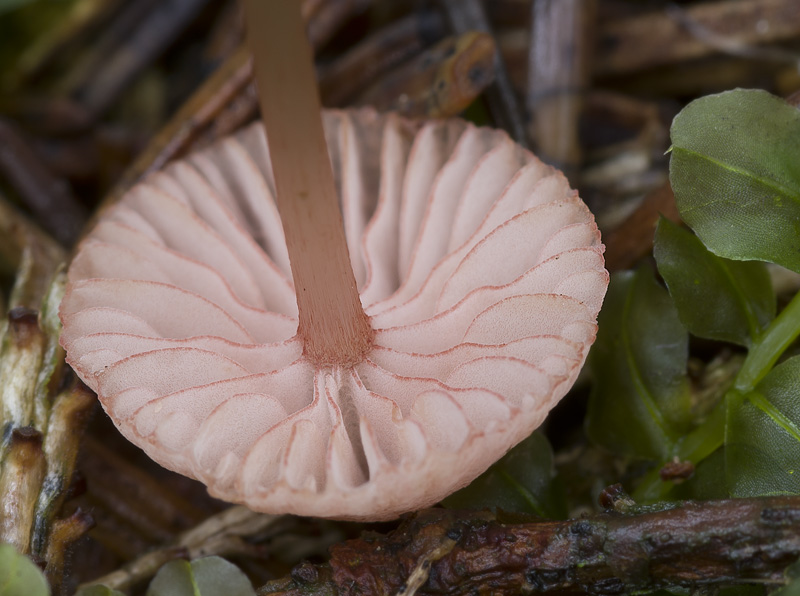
(333, 325)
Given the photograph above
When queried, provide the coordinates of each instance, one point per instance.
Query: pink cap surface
(480, 269)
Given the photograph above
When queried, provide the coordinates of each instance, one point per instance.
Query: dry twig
(693, 544)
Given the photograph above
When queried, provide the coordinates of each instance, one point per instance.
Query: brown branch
(121, 55)
(83, 19)
(23, 471)
(657, 38)
(122, 494)
(221, 534)
(48, 197)
(437, 551)
(225, 101)
(439, 82)
(324, 18)
(384, 50)
(469, 15)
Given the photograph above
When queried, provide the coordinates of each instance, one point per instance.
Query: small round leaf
(735, 170)
(19, 576)
(210, 576)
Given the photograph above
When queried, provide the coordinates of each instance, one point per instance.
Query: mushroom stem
(333, 325)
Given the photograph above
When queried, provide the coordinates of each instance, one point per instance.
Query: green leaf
(735, 171)
(716, 298)
(98, 590)
(640, 402)
(19, 576)
(211, 576)
(762, 436)
(792, 587)
(523, 481)
(708, 480)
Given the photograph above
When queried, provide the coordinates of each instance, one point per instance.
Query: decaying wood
(692, 544)
(63, 534)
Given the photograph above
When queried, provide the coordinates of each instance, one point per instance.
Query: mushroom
(461, 316)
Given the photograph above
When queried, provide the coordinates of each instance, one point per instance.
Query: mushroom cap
(480, 269)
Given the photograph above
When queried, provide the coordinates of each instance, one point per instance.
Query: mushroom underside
(480, 269)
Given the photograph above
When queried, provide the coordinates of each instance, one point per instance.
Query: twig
(558, 76)
(508, 13)
(49, 198)
(639, 42)
(729, 44)
(49, 376)
(21, 356)
(178, 135)
(29, 252)
(124, 494)
(62, 534)
(221, 534)
(693, 544)
(633, 44)
(68, 418)
(439, 82)
(226, 35)
(110, 73)
(468, 15)
(83, 18)
(231, 83)
(47, 115)
(325, 17)
(23, 471)
(122, 23)
(41, 434)
(380, 52)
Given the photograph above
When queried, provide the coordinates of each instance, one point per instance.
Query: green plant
(735, 172)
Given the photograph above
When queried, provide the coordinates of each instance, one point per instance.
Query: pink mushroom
(479, 275)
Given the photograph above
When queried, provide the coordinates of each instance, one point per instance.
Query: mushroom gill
(480, 270)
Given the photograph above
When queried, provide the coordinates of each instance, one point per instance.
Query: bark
(438, 551)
